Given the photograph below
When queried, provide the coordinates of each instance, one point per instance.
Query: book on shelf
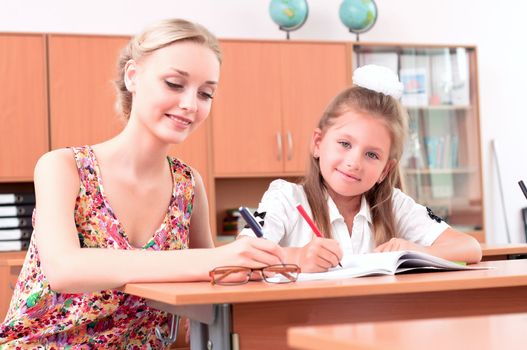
(15, 234)
(415, 82)
(18, 222)
(17, 198)
(14, 245)
(388, 263)
(442, 151)
(16, 210)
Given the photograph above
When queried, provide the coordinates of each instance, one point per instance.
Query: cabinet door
(23, 105)
(246, 113)
(82, 95)
(312, 74)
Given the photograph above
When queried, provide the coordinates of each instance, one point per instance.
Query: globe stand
(287, 30)
(357, 39)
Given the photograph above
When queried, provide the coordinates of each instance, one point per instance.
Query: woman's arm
(70, 268)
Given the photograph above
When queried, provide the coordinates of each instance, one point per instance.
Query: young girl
(122, 211)
(350, 188)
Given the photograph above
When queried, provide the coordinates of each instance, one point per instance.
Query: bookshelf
(442, 159)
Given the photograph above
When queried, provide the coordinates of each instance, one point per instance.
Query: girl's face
(172, 89)
(353, 153)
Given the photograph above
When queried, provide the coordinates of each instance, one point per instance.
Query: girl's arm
(71, 269)
(451, 245)
(456, 246)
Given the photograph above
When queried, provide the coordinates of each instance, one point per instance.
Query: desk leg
(198, 335)
(210, 325)
(220, 329)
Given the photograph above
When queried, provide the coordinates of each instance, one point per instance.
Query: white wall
(497, 29)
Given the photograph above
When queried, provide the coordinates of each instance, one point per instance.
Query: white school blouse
(283, 224)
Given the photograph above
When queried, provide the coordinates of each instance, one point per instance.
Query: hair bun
(379, 79)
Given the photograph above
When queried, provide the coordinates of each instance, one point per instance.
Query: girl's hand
(399, 244)
(319, 255)
(251, 252)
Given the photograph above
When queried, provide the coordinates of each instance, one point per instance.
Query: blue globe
(288, 14)
(358, 15)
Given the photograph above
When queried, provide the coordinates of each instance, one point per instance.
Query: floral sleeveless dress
(39, 318)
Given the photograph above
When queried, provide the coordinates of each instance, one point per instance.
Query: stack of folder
(16, 210)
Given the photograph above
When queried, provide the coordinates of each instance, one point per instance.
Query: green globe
(358, 15)
(288, 14)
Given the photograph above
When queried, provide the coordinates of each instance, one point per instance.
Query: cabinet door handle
(289, 146)
(279, 144)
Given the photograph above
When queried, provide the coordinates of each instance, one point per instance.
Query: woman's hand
(319, 255)
(251, 252)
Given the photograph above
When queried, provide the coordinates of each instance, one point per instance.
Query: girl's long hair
(387, 109)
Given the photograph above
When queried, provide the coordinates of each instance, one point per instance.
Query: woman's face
(172, 89)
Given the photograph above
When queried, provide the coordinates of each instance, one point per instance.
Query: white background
(497, 28)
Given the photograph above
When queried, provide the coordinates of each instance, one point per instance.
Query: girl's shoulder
(286, 187)
(285, 191)
(401, 199)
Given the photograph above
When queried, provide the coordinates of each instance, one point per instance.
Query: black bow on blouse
(258, 215)
(432, 215)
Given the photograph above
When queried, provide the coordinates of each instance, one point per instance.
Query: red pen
(310, 222)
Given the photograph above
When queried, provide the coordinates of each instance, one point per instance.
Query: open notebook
(389, 263)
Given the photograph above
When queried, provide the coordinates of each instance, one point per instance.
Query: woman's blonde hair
(387, 109)
(155, 37)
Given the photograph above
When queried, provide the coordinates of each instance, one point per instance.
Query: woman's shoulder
(179, 166)
(62, 157)
(183, 172)
(57, 169)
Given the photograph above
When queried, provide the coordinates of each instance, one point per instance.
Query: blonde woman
(123, 211)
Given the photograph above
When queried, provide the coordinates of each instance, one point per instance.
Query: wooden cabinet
(270, 96)
(81, 91)
(442, 159)
(23, 105)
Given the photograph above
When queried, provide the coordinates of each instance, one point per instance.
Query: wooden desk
(503, 251)
(476, 332)
(258, 314)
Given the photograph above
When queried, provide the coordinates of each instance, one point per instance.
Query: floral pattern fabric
(39, 318)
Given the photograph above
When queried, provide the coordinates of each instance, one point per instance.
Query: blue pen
(522, 186)
(251, 221)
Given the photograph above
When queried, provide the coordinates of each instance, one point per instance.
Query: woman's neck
(136, 150)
